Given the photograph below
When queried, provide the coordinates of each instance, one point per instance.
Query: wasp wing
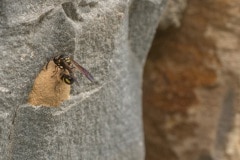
(83, 71)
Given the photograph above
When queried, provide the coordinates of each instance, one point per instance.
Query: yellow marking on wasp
(67, 81)
(67, 60)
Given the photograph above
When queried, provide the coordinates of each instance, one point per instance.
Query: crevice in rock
(71, 11)
(225, 122)
(84, 3)
(3, 18)
(139, 31)
(44, 15)
(11, 132)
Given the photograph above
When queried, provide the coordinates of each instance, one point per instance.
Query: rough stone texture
(191, 86)
(100, 121)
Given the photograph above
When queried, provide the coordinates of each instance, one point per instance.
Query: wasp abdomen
(67, 79)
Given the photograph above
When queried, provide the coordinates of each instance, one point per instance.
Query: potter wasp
(64, 62)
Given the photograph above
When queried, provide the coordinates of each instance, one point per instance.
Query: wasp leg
(72, 68)
(55, 71)
(75, 79)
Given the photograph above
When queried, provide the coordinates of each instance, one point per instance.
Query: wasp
(64, 62)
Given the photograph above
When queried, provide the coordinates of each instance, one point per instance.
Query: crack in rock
(81, 97)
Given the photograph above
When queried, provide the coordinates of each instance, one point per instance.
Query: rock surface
(100, 121)
(191, 85)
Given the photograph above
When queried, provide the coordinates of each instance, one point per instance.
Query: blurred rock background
(191, 80)
(191, 83)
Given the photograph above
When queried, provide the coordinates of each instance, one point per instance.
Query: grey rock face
(100, 121)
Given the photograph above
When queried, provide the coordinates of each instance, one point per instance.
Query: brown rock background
(191, 85)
